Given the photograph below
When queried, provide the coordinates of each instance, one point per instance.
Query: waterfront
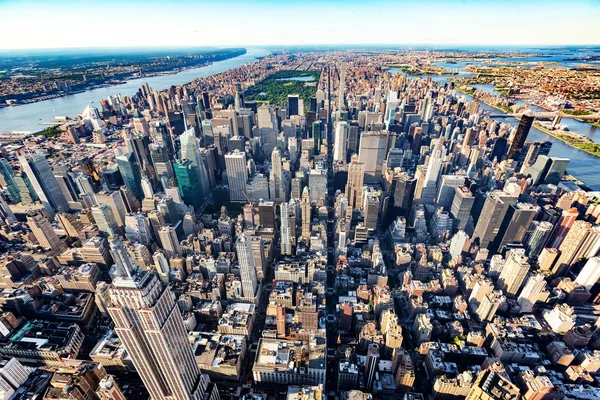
(27, 117)
(582, 165)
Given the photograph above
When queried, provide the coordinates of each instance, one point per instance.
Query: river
(582, 165)
(27, 117)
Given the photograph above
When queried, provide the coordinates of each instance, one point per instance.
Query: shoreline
(544, 129)
(110, 84)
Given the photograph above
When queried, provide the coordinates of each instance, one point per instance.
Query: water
(582, 165)
(299, 78)
(27, 117)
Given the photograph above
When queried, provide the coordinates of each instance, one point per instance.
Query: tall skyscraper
(293, 104)
(237, 175)
(493, 212)
(286, 232)
(520, 136)
(534, 286)
(44, 183)
(461, 207)
(169, 241)
(44, 233)
(340, 141)
(8, 183)
(243, 249)
(354, 187)
(590, 273)
(582, 241)
(190, 151)
(432, 174)
(371, 365)
(306, 217)
(148, 322)
(372, 152)
(105, 219)
(565, 223)
(514, 272)
(187, 180)
(342, 86)
(277, 193)
(316, 135)
(514, 225)
(537, 237)
(131, 173)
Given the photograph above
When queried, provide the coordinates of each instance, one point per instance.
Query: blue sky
(64, 23)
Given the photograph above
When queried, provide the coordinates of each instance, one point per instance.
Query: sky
(44, 24)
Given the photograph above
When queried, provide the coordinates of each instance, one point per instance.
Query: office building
(372, 152)
(582, 241)
(169, 241)
(514, 272)
(491, 385)
(371, 365)
(516, 145)
(237, 175)
(590, 273)
(44, 183)
(462, 203)
(340, 141)
(306, 214)
(149, 324)
(514, 226)
(492, 214)
(530, 294)
(243, 248)
(354, 187)
(537, 237)
(44, 233)
(131, 174)
(293, 104)
(187, 181)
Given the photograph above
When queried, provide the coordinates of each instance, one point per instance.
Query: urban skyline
(300, 222)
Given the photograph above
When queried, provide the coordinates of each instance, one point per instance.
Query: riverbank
(113, 83)
(579, 142)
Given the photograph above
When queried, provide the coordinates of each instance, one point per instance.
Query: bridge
(549, 115)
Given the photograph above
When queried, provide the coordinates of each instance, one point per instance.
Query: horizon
(67, 24)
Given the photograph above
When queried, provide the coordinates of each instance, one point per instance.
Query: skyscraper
(44, 183)
(316, 135)
(582, 241)
(277, 193)
(493, 212)
(169, 241)
(590, 273)
(243, 247)
(372, 152)
(293, 104)
(340, 141)
(306, 217)
(190, 151)
(237, 175)
(187, 180)
(149, 324)
(567, 220)
(286, 239)
(8, 183)
(44, 233)
(520, 136)
(514, 272)
(534, 286)
(514, 225)
(131, 173)
(371, 365)
(105, 219)
(461, 207)
(537, 237)
(432, 174)
(354, 187)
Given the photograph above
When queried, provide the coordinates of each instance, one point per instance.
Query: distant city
(300, 223)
